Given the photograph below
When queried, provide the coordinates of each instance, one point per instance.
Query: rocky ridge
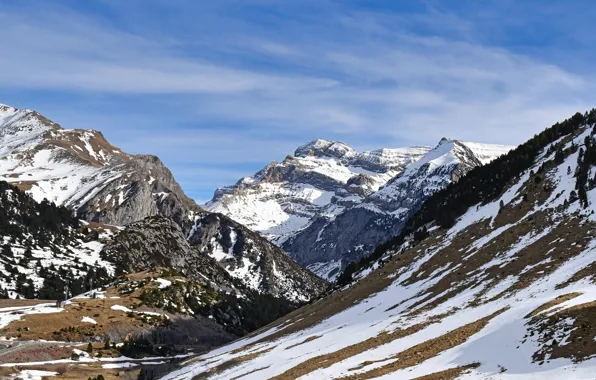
(322, 177)
(81, 170)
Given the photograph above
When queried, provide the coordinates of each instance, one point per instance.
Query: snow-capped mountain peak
(81, 170)
(325, 148)
(329, 204)
(322, 178)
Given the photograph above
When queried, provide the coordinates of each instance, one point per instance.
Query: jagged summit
(80, 169)
(322, 177)
(6, 110)
(325, 148)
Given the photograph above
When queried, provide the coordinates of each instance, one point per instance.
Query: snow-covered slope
(328, 205)
(259, 264)
(504, 291)
(322, 177)
(81, 170)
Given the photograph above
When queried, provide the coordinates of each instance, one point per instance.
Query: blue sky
(219, 88)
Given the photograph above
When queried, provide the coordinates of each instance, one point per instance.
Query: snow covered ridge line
(508, 291)
(81, 170)
(358, 228)
(283, 197)
(328, 203)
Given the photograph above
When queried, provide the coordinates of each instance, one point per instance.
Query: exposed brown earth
(449, 374)
(68, 326)
(567, 333)
(249, 373)
(432, 347)
(309, 339)
(19, 303)
(559, 300)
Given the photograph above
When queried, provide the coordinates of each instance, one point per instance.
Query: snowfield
(10, 314)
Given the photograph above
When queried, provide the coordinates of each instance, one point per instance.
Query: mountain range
(328, 205)
(462, 260)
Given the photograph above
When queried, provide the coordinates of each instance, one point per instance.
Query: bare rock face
(147, 189)
(218, 250)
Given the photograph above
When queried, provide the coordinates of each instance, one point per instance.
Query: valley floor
(39, 339)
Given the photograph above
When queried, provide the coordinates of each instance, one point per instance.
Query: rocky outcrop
(255, 261)
(254, 285)
(148, 188)
(217, 250)
(159, 242)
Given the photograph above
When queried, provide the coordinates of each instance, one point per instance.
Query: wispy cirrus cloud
(224, 88)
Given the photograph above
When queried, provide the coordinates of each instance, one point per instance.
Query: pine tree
(6, 250)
